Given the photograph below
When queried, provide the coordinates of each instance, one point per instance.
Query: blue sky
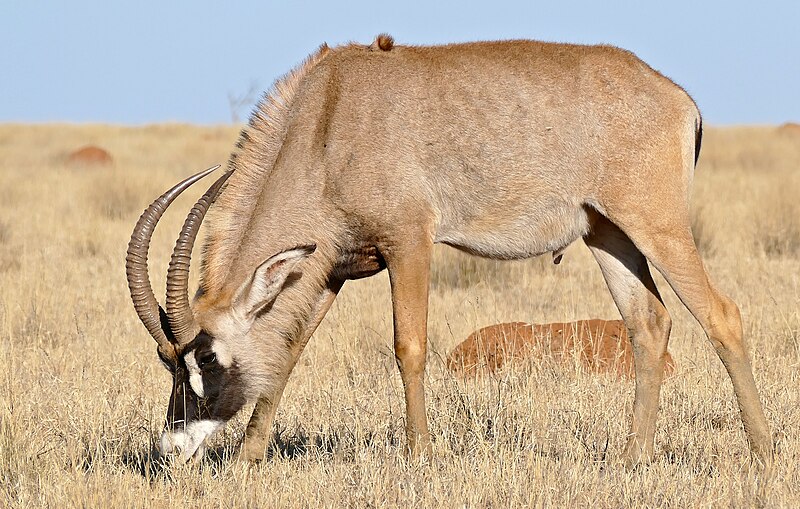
(147, 61)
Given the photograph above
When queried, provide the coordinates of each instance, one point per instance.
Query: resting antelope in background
(600, 346)
(363, 157)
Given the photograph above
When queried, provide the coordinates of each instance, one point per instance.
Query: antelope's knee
(410, 356)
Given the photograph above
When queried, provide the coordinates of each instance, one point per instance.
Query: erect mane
(256, 152)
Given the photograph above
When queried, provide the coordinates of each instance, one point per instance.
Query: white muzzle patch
(189, 443)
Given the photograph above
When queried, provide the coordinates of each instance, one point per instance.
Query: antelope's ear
(267, 281)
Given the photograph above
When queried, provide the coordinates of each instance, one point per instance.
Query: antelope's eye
(207, 359)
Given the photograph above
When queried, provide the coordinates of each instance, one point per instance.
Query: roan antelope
(363, 157)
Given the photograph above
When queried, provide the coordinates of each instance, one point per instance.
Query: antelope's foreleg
(409, 268)
(257, 435)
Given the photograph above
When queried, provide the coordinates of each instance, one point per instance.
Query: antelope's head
(209, 370)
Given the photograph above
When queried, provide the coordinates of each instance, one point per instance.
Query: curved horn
(179, 314)
(144, 301)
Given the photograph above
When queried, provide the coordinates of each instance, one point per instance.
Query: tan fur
(601, 346)
(502, 149)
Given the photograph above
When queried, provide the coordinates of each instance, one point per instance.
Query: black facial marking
(184, 405)
(204, 354)
(229, 397)
(203, 339)
(223, 390)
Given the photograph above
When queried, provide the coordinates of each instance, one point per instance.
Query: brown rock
(90, 155)
(601, 346)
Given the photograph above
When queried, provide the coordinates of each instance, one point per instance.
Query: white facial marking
(195, 375)
(224, 357)
(188, 443)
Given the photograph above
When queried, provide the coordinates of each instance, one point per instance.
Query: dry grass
(82, 395)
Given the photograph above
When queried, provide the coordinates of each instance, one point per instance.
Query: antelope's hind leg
(673, 252)
(636, 296)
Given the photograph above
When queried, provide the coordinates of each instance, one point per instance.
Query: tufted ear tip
(308, 249)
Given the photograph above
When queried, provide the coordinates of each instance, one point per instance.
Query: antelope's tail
(698, 139)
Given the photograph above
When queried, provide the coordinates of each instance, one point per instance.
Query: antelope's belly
(512, 237)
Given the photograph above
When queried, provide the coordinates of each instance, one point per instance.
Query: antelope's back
(522, 132)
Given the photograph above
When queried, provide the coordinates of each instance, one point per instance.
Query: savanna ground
(83, 396)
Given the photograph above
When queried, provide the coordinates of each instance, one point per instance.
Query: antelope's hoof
(251, 451)
(636, 457)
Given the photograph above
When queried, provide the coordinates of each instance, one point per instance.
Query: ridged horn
(144, 301)
(179, 314)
